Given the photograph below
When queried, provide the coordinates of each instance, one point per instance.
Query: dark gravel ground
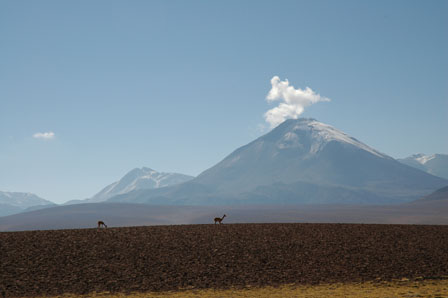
(216, 256)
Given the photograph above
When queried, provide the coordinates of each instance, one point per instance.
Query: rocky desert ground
(219, 257)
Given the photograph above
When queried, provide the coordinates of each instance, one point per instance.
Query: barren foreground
(164, 258)
(401, 288)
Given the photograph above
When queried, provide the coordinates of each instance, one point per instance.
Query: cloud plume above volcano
(292, 101)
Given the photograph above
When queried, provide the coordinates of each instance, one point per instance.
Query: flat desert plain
(224, 260)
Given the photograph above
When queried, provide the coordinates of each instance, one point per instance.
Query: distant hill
(438, 195)
(300, 161)
(15, 202)
(136, 179)
(87, 215)
(434, 205)
(123, 214)
(436, 164)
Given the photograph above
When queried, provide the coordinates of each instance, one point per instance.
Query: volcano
(301, 161)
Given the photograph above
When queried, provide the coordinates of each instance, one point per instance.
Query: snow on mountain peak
(435, 164)
(139, 178)
(423, 159)
(320, 134)
(22, 199)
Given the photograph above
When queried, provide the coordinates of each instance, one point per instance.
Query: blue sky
(178, 85)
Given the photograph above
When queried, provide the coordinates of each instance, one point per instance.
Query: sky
(92, 89)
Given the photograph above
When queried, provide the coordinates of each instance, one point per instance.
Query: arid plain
(226, 260)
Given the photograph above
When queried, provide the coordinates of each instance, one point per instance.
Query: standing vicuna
(219, 219)
(101, 223)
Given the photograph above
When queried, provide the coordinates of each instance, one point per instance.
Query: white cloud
(44, 135)
(292, 101)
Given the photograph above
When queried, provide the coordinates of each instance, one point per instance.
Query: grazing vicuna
(101, 223)
(219, 219)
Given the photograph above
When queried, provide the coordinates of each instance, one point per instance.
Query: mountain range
(431, 209)
(301, 161)
(137, 179)
(435, 164)
(15, 202)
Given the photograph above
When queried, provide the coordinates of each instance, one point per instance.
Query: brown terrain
(160, 258)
